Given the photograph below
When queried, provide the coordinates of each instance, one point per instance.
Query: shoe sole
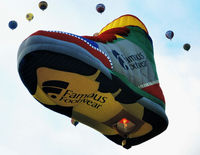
(94, 97)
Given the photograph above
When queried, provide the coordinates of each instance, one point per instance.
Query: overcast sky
(29, 128)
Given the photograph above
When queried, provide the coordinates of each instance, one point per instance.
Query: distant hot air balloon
(186, 47)
(43, 5)
(100, 8)
(29, 16)
(12, 24)
(169, 34)
(74, 122)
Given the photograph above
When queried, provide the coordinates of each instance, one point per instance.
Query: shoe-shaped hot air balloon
(100, 8)
(169, 34)
(12, 24)
(29, 16)
(186, 46)
(43, 5)
(108, 81)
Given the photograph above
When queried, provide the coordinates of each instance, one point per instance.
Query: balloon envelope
(186, 46)
(114, 107)
(12, 24)
(29, 16)
(43, 5)
(100, 8)
(169, 34)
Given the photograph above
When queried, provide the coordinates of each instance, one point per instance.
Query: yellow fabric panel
(118, 36)
(126, 20)
(104, 129)
(41, 96)
(146, 128)
(79, 84)
(90, 106)
(135, 109)
(102, 112)
(82, 94)
(94, 76)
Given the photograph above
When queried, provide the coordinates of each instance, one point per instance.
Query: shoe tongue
(125, 20)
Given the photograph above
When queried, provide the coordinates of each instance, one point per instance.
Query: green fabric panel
(141, 38)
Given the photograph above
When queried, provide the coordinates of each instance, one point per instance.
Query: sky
(29, 128)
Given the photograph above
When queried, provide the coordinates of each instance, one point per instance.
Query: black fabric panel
(32, 61)
(67, 111)
(127, 95)
(55, 83)
(106, 84)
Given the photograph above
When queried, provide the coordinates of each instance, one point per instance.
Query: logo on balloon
(58, 91)
(120, 59)
(53, 87)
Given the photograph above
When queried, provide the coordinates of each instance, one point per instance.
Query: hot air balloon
(12, 24)
(29, 16)
(117, 94)
(74, 122)
(169, 34)
(186, 47)
(43, 5)
(100, 8)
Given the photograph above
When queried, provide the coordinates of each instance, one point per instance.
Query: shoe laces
(109, 35)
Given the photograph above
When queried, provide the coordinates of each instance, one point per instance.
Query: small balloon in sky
(43, 5)
(12, 24)
(74, 122)
(29, 16)
(186, 46)
(100, 8)
(169, 34)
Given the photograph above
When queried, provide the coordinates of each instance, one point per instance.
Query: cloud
(7, 151)
(180, 83)
(29, 128)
